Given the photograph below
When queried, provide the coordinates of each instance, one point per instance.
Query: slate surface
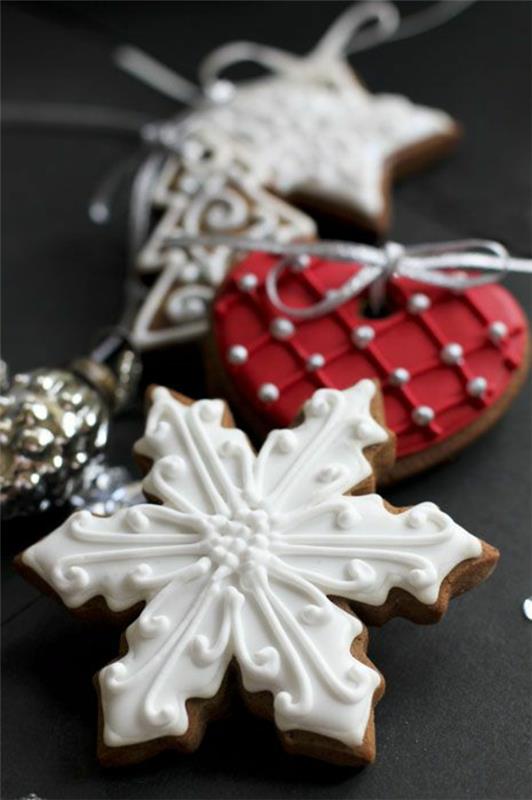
(455, 721)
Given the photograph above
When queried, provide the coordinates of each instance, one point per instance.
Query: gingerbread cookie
(204, 192)
(256, 573)
(449, 362)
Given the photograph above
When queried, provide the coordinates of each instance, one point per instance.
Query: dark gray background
(455, 721)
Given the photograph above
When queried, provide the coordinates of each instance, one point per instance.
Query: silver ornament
(55, 422)
(52, 423)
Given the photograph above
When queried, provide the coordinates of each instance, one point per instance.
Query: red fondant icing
(402, 339)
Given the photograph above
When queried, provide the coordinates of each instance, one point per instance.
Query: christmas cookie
(313, 137)
(449, 362)
(255, 573)
(203, 192)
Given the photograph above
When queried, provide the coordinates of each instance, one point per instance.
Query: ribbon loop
(445, 264)
(359, 27)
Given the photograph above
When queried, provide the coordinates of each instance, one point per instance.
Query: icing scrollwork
(239, 562)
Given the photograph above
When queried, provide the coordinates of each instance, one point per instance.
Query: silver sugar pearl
(281, 328)
(362, 336)
(300, 263)
(399, 376)
(476, 387)
(189, 184)
(417, 303)
(268, 393)
(497, 331)
(237, 354)
(247, 282)
(423, 415)
(315, 361)
(452, 353)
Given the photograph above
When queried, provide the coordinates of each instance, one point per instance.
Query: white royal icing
(322, 134)
(239, 560)
(221, 203)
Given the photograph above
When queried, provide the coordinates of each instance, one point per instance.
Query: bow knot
(457, 265)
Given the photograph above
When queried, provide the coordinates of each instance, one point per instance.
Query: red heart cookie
(449, 363)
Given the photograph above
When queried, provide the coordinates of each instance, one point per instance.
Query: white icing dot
(137, 520)
(189, 184)
(452, 353)
(423, 415)
(476, 387)
(312, 615)
(315, 361)
(419, 578)
(497, 331)
(190, 273)
(329, 474)
(361, 572)
(286, 441)
(172, 467)
(418, 303)
(268, 393)
(247, 282)
(281, 328)
(346, 518)
(228, 449)
(208, 411)
(178, 308)
(362, 336)
(399, 376)
(363, 430)
(237, 354)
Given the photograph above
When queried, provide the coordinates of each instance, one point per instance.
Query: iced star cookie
(255, 573)
(449, 362)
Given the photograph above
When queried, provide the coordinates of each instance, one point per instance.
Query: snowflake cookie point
(239, 561)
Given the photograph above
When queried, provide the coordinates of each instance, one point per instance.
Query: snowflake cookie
(256, 567)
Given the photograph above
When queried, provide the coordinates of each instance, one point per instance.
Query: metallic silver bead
(423, 415)
(315, 361)
(190, 273)
(497, 331)
(362, 336)
(247, 282)
(281, 328)
(237, 354)
(189, 184)
(452, 353)
(399, 376)
(417, 303)
(268, 393)
(300, 263)
(477, 386)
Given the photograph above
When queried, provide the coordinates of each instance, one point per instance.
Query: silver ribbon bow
(445, 264)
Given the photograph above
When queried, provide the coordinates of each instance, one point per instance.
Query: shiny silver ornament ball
(423, 415)
(417, 303)
(314, 362)
(476, 387)
(281, 328)
(399, 377)
(237, 354)
(362, 336)
(51, 424)
(268, 393)
(452, 353)
(497, 331)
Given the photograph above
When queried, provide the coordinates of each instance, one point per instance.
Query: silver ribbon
(445, 264)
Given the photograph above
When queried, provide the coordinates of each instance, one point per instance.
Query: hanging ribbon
(445, 264)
